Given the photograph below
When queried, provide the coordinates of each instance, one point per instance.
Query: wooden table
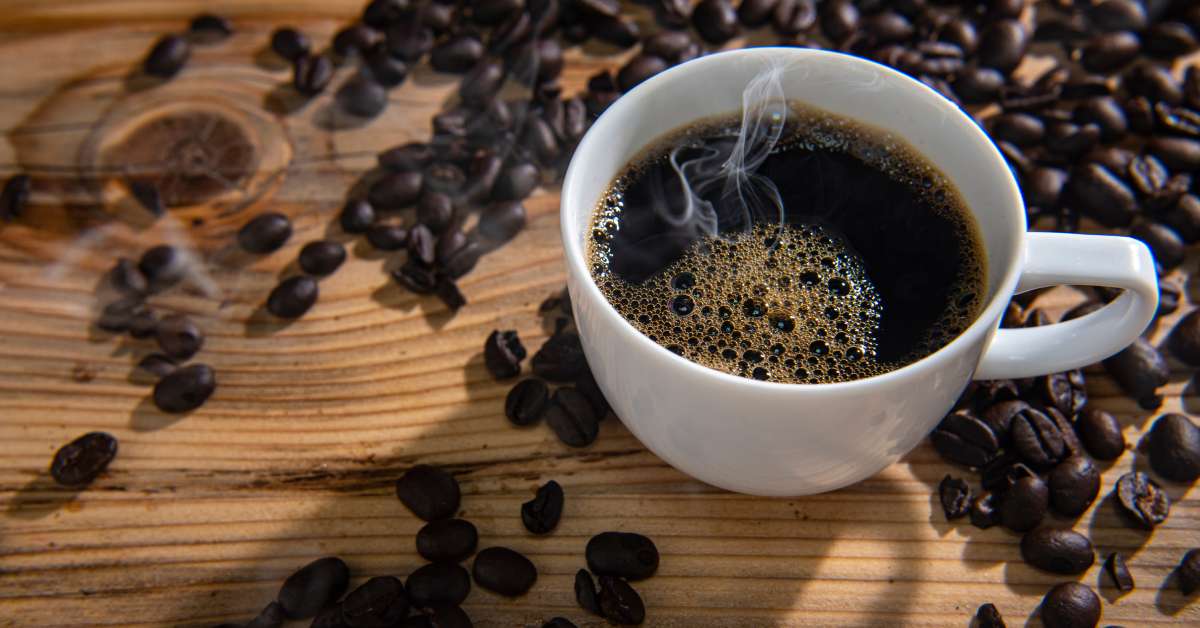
(201, 517)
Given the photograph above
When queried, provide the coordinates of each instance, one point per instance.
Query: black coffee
(818, 250)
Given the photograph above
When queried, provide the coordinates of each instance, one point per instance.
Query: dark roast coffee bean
(504, 571)
(502, 354)
(1074, 484)
(438, 584)
(429, 492)
(839, 19)
(293, 297)
(167, 57)
(313, 587)
(502, 221)
(639, 69)
(148, 196)
(1102, 195)
(290, 43)
(381, 13)
(387, 70)
(516, 182)
(887, 27)
(331, 617)
(185, 389)
(1184, 218)
(271, 616)
(80, 461)
(585, 592)
(559, 622)
(208, 28)
(1147, 174)
(1188, 572)
(386, 237)
(1057, 550)
(396, 190)
(1106, 113)
(117, 316)
(178, 337)
(362, 97)
(620, 603)
(541, 514)
(1176, 153)
(321, 257)
(1174, 448)
(447, 540)
(1139, 369)
(1110, 51)
(538, 61)
(1070, 605)
(265, 233)
(755, 13)
(1021, 129)
(1140, 115)
(1067, 429)
(482, 82)
(1141, 500)
(1071, 140)
(1117, 15)
(482, 175)
(14, 197)
(572, 418)
(1115, 567)
(526, 402)
(163, 266)
(963, 438)
(421, 244)
(380, 602)
(457, 54)
(620, 31)
(560, 359)
(1184, 341)
(311, 74)
(624, 554)
(449, 243)
(1024, 505)
(355, 39)
(539, 139)
(1169, 39)
(987, 616)
(1101, 434)
(1154, 82)
(417, 277)
(979, 85)
(157, 364)
(435, 211)
(985, 510)
(414, 156)
(955, 495)
(494, 11)
(1169, 294)
(1002, 45)
(143, 324)
(447, 290)
(1065, 391)
(409, 40)
(357, 216)
(1037, 439)
(1167, 246)
(792, 17)
(125, 278)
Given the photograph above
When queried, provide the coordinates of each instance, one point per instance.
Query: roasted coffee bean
(438, 584)
(207, 28)
(157, 364)
(388, 71)
(1184, 341)
(1141, 500)
(1174, 448)
(1057, 550)
(362, 97)
(163, 266)
(1140, 114)
(1110, 51)
(572, 418)
(387, 237)
(377, 603)
(955, 496)
(1000, 474)
(396, 190)
(504, 571)
(987, 616)
(409, 40)
(80, 461)
(755, 13)
(357, 216)
(168, 56)
(125, 278)
(1067, 429)
(449, 243)
(447, 540)
(559, 622)
(1187, 573)
(792, 17)
(1115, 567)
(985, 510)
(887, 27)
(541, 514)
(14, 197)
(482, 82)
(313, 587)
(1037, 439)
(410, 157)
(1071, 140)
(1102, 195)
(1184, 218)
(429, 492)
(293, 297)
(117, 316)
(620, 603)
(447, 290)
(1147, 174)
(1100, 433)
(382, 13)
(1043, 186)
(624, 554)
(421, 244)
(143, 324)
(979, 85)
(290, 43)
(516, 182)
(271, 616)
(457, 54)
(178, 337)
(1024, 504)
(619, 31)
(1176, 153)
(1088, 86)
(963, 438)
(494, 11)
(1021, 129)
(355, 39)
(435, 211)
(540, 140)
(502, 354)
(585, 592)
(639, 69)
(1169, 39)
(1070, 605)
(668, 44)
(1117, 15)
(526, 402)
(1113, 158)
(1002, 45)
(417, 277)
(265, 233)
(502, 221)
(321, 257)
(185, 389)
(1074, 484)
(539, 61)
(1106, 113)
(331, 617)
(560, 359)
(1066, 29)
(148, 196)
(1065, 391)
(839, 19)
(1167, 246)
(1154, 82)
(1139, 369)
(1169, 294)
(311, 74)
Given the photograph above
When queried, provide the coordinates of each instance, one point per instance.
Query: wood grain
(202, 516)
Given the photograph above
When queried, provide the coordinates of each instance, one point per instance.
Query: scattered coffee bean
(313, 587)
(14, 197)
(1057, 550)
(178, 337)
(541, 514)
(417, 277)
(207, 28)
(80, 461)
(185, 388)
(502, 354)
(482, 82)
(147, 195)
(1188, 572)
(435, 210)
(362, 97)
(1024, 505)
(438, 584)
(624, 554)
(571, 416)
(504, 571)
(1174, 448)
(1141, 500)
(985, 510)
(271, 616)
(167, 57)
(1002, 45)
(411, 157)
(429, 492)
(447, 540)
(387, 70)
(357, 216)
(117, 316)
(1117, 15)
(143, 324)
(526, 402)
(1074, 484)
(290, 43)
(1110, 51)
(1066, 391)
(1067, 430)
(621, 31)
(457, 54)
(979, 85)
(1102, 195)
(1180, 154)
(396, 190)
(1184, 341)
(321, 257)
(715, 21)
(1021, 129)
(839, 19)
(376, 603)
(311, 74)
(1070, 605)
(559, 622)
(639, 69)
(585, 592)
(955, 495)
(501, 222)
(1037, 439)
(1140, 370)
(887, 27)
(421, 244)
(999, 417)
(293, 297)
(620, 603)
(355, 39)
(988, 616)
(265, 233)
(387, 237)
(560, 359)
(1115, 567)
(1166, 245)
(449, 294)
(125, 278)
(516, 182)
(163, 266)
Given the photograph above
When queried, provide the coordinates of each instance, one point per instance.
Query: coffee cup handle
(1053, 259)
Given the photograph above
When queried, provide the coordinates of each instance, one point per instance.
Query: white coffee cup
(769, 438)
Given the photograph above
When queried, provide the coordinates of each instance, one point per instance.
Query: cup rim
(596, 136)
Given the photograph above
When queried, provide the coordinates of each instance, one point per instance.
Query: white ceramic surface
(786, 439)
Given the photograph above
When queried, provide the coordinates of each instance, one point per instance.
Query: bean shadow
(267, 59)
(1170, 599)
(284, 100)
(39, 498)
